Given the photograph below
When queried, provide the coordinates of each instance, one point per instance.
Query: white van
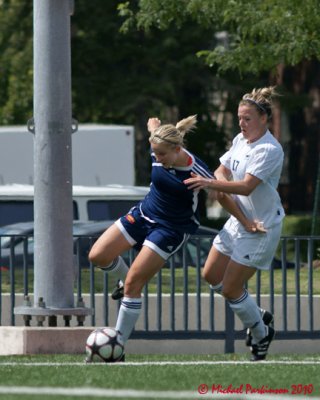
(90, 203)
(96, 149)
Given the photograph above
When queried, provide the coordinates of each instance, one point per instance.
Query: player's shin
(249, 313)
(129, 312)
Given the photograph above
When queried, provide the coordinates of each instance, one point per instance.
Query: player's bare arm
(226, 200)
(244, 187)
(232, 208)
(222, 173)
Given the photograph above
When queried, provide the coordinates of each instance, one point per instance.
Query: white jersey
(262, 159)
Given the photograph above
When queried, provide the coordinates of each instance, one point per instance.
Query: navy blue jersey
(169, 201)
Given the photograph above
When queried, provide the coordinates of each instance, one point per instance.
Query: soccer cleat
(259, 351)
(118, 291)
(267, 318)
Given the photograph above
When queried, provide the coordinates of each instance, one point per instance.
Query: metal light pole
(53, 208)
(53, 261)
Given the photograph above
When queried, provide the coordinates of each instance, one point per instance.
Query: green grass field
(155, 377)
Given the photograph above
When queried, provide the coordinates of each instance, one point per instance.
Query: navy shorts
(141, 231)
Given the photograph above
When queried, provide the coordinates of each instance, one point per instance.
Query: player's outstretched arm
(232, 207)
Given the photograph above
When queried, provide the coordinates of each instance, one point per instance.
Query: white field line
(158, 363)
(138, 394)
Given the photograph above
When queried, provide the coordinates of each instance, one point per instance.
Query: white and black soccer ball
(104, 345)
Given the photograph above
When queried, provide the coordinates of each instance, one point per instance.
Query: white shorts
(251, 249)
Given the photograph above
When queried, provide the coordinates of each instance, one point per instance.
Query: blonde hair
(171, 134)
(262, 99)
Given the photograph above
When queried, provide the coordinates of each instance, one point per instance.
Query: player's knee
(98, 257)
(204, 275)
(207, 276)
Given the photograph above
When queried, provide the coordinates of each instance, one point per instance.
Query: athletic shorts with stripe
(251, 249)
(140, 231)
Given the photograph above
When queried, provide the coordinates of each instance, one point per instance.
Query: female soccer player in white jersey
(160, 223)
(254, 162)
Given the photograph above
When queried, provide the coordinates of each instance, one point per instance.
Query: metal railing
(178, 304)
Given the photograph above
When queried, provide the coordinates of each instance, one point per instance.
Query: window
(15, 211)
(109, 209)
(75, 210)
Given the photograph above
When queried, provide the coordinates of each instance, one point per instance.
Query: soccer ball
(104, 345)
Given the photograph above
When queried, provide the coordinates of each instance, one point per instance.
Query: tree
(116, 78)
(279, 38)
(15, 61)
(127, 78)
(259, 34)
(186, 57)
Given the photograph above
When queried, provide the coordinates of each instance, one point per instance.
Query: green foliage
(121, 78)
(297, 225)
(259, 34)
(163, 14)
(159, 69)
(16, 82)
(124, 78)
(293, 225)
(116, 78)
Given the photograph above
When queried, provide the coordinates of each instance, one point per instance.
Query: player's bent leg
(248, 312)
(246, 308)
(215, 266)
(145, 266)
(235, 278)
(129, 313)
(105, 255)
(108, 247)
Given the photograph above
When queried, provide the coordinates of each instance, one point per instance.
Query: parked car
(17, 243)
(90, 203)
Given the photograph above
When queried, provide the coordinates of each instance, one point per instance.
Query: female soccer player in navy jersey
(161, 222)
(254, 162)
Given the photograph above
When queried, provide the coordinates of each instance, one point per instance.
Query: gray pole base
(42, 312)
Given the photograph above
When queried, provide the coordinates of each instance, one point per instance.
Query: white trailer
(101, 155)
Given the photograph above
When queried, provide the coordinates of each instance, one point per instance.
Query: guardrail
(178, 304)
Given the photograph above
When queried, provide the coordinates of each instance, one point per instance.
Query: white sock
(118, 268)
(128, 315)
(249, 313)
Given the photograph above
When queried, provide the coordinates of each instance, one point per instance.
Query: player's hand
(197, 182)
(153, 124)
(255, 226)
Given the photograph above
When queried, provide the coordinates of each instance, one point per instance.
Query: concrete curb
(43, 340)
